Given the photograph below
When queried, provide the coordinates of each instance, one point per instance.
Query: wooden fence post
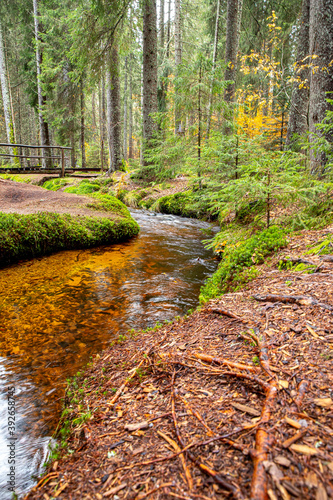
(62, 163)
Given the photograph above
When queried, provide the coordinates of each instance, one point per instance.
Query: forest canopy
(200, 88)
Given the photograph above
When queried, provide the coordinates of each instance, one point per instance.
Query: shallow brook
(57, 311)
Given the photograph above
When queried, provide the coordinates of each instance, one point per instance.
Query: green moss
(28, 236)
(85, 187)
(185, 204)
(237, 257)
(55, 184)
(108, 203)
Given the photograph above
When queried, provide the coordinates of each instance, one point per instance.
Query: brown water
(58, 311)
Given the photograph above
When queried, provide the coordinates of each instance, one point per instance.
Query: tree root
(221, 361)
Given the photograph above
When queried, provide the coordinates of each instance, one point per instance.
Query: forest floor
(233, 401)
(23, 198)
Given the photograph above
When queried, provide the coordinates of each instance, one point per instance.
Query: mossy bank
(36, 226)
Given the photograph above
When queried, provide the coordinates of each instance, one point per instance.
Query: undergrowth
(233, 270)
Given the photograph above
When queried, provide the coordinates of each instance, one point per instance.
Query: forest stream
(57, 311)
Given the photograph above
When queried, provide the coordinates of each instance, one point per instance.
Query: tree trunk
(102, 120)
(5, 95)
(216, 38)
(231, 48)
(161, 25)
(93, 114)
(298, 115)
(42, 124)
(130, 117)
(83, 146)
(161, 91)
(149, 72)
(125, 111)
(113, 109)
(199, 127)
(169, 29)
(178, 60)
(321, 80)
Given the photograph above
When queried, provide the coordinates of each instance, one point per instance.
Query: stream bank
(169, 413)
(36, 222)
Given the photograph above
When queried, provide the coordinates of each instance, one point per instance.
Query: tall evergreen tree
(149, 72)
(321, 79)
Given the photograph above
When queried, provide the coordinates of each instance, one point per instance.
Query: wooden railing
(44, 156)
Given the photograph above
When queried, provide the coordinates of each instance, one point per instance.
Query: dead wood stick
(218, 479)
(301, 390)
(221, 361)
(164, 485)
(180, 441)
(224, 312)
(196, 414)
(189, 446)
(122, 387)
(301, 300)
(327, 258)
(177, 448)
(297, 260)
(263, 354)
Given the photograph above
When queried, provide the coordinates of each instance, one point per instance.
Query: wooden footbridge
(45, 159)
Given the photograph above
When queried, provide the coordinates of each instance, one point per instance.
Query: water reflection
(59, 310)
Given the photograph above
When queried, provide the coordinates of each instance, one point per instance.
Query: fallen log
(301, 300)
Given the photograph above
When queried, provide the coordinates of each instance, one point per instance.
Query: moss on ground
(33, 235)
(233, 271)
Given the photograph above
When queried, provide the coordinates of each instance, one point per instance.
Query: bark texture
(298, 116)
(43, 127)
(113, 109)
(178, 60)
(216, 39)
(5, 94)
(125, 110)
(82, 138)
(321, 50)
(130, 113)
(231, 49)
(149, 71)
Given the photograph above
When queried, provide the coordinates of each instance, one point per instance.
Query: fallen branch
(301, 300)
(327, 258)
(122, 387)
(175, 446)
(297, 260)
(301, 390)
(224, 312)
(217, 478)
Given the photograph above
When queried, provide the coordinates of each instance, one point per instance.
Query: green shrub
(237, 257)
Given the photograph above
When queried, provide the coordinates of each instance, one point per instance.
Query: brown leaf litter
(234, 401)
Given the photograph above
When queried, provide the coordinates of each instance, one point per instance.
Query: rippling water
(57, 311)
